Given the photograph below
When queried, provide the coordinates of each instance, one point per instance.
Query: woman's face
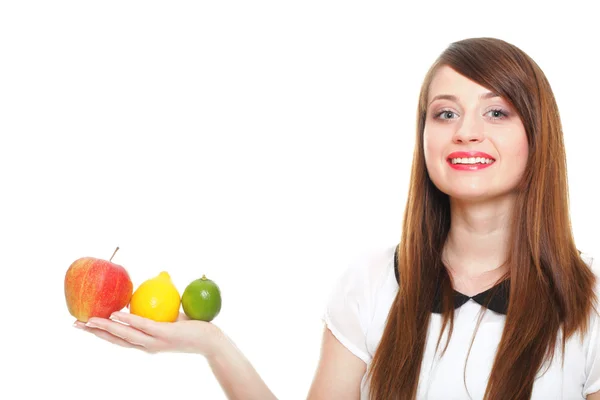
(462, 118)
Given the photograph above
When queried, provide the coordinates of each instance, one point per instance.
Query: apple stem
(111, 257)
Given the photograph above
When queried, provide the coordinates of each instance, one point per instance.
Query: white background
(262, 143)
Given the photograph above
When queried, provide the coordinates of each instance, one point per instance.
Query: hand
(132, 331)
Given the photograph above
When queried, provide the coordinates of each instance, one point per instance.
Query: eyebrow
(484, 96)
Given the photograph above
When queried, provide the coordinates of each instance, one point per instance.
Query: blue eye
(497, 113)
(446, 114)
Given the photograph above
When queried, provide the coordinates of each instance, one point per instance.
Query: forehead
(448, 81)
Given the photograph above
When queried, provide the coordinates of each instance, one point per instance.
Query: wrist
(219, 344)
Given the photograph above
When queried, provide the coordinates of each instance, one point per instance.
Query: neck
(477, 243)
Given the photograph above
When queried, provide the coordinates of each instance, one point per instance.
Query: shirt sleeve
(592, 364)
(346, 311)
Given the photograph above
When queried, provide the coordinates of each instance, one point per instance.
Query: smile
(470, 164)
(472, 160)
(469, 160)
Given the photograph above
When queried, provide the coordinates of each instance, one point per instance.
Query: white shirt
(359, 305)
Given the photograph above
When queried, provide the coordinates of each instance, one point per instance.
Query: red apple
(96, 288)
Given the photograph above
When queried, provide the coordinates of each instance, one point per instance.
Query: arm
(339, 372)
(338, 375)
(233, 371)
(237, 377)
(593, 396)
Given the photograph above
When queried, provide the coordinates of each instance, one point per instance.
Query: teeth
(472, 160)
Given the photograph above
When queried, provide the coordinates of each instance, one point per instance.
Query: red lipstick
(469, 154)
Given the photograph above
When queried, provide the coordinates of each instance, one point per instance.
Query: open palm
(132, 331)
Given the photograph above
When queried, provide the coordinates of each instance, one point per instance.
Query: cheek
(514, 148)
(433, 150)
(515, 143)
(523, 150)
(522, 154)
(431, 145)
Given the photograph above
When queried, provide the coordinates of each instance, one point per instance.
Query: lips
(469, 154)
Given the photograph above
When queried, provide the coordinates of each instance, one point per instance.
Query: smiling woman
(486, 295)
(472, 122)
(487, 245)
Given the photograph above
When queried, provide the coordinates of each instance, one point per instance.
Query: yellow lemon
(156, 299)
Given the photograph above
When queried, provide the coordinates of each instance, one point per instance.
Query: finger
(125, 332)
(146, 325)
(108, 336)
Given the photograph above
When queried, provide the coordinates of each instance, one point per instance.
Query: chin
(480, 197)
(470, 195)
(472, 199)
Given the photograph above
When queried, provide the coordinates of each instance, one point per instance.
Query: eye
(497, 113)
(445, 114)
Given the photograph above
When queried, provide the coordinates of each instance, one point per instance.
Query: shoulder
(370, 268)
(350, 308)
(368, 274)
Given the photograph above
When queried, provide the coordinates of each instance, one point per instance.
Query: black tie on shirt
(495, 298)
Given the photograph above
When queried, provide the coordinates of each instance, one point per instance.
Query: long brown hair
(551, 287)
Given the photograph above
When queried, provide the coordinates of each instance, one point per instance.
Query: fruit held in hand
(96, 288)
(156, 299)
(201, 299)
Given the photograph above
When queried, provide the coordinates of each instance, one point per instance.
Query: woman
(486, 296)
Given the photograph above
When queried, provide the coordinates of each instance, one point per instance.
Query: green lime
(201, 299)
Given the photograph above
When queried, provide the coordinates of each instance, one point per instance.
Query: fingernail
(90, 325)
(114, 318)
(76, 325)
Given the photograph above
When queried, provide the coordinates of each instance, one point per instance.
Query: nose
(469, 130)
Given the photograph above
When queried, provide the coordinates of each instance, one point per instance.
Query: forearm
(236, 375)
